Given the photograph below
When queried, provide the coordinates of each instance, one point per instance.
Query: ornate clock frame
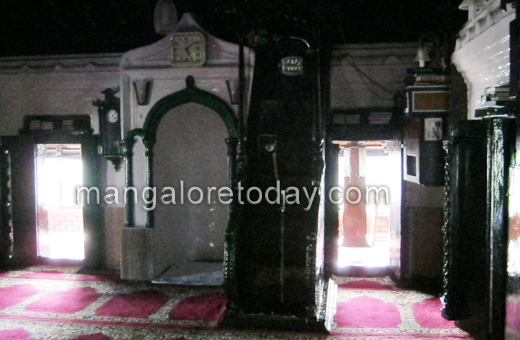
(109, 111)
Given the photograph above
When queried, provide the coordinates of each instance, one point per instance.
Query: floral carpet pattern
(60, 304)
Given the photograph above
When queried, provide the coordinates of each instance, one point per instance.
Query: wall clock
(113, 116)
(188, 49)
(109, 111)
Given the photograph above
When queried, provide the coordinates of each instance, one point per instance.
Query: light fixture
(465, 5)
(165, 17)
(143, 91)
(233, 91)
(422, 55)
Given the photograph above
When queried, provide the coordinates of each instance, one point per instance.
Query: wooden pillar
(355, 217)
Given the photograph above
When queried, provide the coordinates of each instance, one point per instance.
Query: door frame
(359, 132)
(18, 206)
(393, 269)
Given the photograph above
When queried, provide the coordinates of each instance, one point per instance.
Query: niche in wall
(189, 236)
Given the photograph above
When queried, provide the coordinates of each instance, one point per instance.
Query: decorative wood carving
(148, 133)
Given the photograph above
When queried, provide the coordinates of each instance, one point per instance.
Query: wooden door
(395, 195)
(21, 199)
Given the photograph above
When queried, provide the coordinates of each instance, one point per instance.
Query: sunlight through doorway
(364, 226)
(59, 220)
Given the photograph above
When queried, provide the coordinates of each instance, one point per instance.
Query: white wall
(53, 86)
(384, 63)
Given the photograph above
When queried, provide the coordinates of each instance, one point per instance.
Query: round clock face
(112, 116)
(188, 49)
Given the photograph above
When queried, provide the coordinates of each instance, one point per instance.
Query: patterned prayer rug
(59, 304)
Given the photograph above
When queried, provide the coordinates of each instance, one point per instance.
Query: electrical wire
(371, 90)
(363, 75)
(360, 72)
(346, 57)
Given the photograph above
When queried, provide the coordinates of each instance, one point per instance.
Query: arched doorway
(184, 134)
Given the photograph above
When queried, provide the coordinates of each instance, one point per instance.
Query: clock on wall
(110, 126)
(113, 116)
(188, 49)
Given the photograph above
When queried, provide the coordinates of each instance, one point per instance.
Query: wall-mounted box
(427, 100)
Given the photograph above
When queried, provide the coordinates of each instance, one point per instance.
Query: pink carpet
(206, 307)
(65, 302)
(140, 304)
(367, 309)
(513, 316)
(15, 334)
(428, 314)
(367, 312)
(13, 295)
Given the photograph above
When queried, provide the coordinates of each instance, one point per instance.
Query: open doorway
(59, 218)
(366, 173)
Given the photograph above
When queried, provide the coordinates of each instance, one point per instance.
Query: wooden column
(355, 217)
